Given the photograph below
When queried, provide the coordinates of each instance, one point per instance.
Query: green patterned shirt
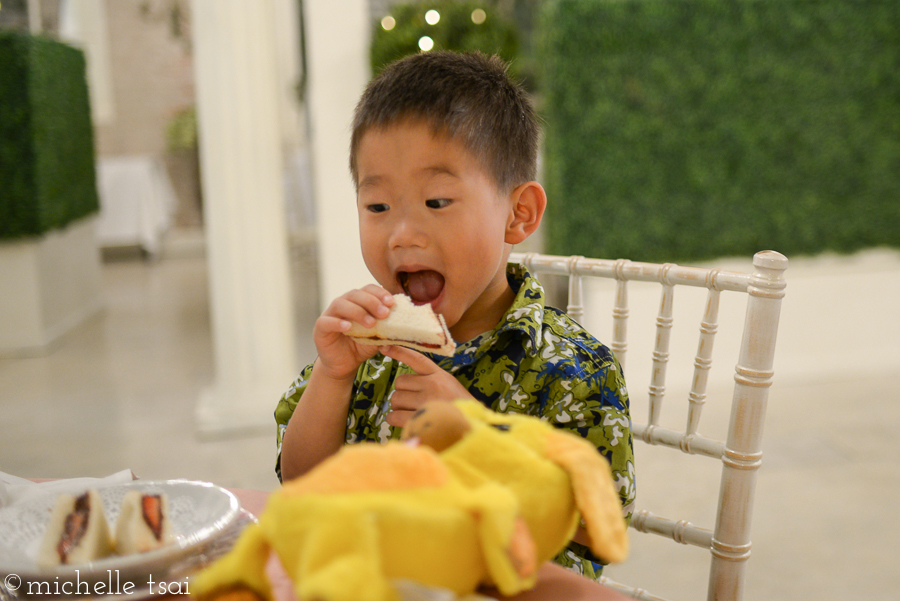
(537, 361)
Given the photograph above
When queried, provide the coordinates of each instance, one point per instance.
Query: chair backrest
(740, 453)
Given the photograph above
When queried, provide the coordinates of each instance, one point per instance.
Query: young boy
(443, 155)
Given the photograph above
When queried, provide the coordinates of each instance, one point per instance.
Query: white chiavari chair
(740, 454)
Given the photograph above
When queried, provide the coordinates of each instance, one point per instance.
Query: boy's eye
(378, 207)
(437, 203)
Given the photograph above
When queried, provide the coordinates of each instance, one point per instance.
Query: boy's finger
(374, 298)
(418, 362)
(327, 323)
(408, 382)
(377, 291)
(359, 307)
(406, 403)
(406, 400)
(398, 418)
(346, 310)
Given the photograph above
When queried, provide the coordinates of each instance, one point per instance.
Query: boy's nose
(407, 233)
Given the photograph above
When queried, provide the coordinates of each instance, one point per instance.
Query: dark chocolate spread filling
(74, 528)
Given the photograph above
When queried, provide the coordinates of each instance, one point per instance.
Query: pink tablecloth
(554, 582)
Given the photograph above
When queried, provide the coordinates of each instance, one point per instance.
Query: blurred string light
(432, 17)
(426, 43)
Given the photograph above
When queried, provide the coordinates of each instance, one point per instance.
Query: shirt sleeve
(285, 409)
(595, 406)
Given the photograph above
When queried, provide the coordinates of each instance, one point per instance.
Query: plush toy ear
(595, 495)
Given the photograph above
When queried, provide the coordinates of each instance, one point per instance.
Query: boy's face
(432, 224)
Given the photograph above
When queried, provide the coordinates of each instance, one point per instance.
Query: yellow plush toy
(469, 498)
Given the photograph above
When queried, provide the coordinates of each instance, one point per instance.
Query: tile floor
(119, 392)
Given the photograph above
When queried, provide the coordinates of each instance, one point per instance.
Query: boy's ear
(528, 203)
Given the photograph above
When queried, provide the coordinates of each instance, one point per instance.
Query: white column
(83, 24)
(337, 51)
(34, 17)
(242, 177)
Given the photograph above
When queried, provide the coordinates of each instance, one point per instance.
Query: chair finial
(770, 259)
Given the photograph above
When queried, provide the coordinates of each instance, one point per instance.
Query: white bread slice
(414, 326)
(77, 531)
(143, 523)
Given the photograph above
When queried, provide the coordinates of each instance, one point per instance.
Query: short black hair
(467, 96)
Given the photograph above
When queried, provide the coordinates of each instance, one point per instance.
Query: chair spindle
(619, 343)
(575, 308)
(664, 322)
(703, 360)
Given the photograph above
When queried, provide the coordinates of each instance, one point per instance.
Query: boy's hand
(429, 383)
(339, 355)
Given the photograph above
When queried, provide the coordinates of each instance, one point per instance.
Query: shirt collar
(523, 320)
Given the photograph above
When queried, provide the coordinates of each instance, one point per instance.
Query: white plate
(198, 511)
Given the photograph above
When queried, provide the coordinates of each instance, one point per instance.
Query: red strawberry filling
(151, 507)
(421, 286)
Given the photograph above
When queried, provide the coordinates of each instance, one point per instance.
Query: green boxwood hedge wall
(695, 129)
(47, 175)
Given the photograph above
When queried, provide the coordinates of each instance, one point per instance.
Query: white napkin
(14, 489)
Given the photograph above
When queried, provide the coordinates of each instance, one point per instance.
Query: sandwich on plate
(77, 531)
(143, 523)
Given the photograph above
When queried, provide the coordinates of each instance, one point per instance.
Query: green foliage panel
(47, 176)
(694, 129)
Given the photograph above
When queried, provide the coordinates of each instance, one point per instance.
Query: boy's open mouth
(421, 286)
